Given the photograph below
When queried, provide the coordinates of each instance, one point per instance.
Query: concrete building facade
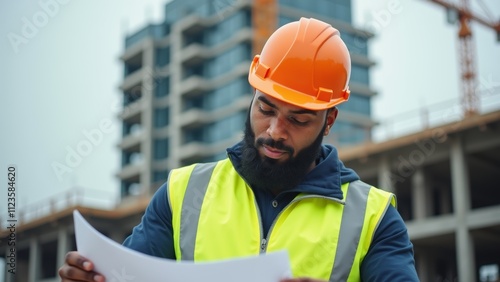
(445, 182)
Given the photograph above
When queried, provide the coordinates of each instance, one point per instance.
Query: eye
(298, 121)
(266, 112)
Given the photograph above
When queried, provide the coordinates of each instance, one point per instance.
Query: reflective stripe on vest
(344, 258)
(190, 214)
(354, 213)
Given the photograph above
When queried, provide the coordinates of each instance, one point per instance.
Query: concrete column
(461, 203)
(419, 195)
(148, 96)
(384, 175)
(175, 95)
(34, 264)
(62, 246)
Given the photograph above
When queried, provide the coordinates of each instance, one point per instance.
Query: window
(162, 86)
(194, 70)
(193, 135)
(226, 61)
(349, 134)
(226, 94)
(360, 74)
(161, 149)
(357, 104)
(129, 158)
(132, 95)
(131, 128)
(161, 117)
(193, 38)
(282, 20)
(195, 102)
(162, 56)
(338, 9)
(228, 27)
(355, 44)
(130, 188)
(160, 176)
(226, 128)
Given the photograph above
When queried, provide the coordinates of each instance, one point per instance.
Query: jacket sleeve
(390, 257)
(154, 235)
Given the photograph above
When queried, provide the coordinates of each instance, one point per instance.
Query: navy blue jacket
(390, 257)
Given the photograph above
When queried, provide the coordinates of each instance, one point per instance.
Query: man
(280, 188)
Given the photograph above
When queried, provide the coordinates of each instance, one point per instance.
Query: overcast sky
(60, 72)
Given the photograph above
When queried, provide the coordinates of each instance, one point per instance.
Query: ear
(331, 116)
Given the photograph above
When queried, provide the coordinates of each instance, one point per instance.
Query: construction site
(441, 168)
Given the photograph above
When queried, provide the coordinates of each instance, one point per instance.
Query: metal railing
(420, 119)
(60, 201)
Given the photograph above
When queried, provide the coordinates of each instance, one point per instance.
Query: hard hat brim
(288, 95)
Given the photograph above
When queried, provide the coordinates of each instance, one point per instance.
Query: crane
(265, 21)
(470, 101)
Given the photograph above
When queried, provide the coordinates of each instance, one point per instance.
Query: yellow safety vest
(215, 216)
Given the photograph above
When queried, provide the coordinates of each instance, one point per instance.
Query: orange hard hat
(304, 63)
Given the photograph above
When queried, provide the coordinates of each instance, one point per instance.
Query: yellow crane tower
(265, 21)
(464, 15)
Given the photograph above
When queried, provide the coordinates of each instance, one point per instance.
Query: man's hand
(302, 279)
(78, 268)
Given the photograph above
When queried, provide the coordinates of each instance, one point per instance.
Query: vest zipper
(263, 241)
(263, 245)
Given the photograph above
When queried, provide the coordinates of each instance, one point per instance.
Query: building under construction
(173, 115)
(443, 177)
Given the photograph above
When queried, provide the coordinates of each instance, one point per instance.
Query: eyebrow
(298, 112)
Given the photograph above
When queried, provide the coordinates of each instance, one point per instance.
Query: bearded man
(280, 188)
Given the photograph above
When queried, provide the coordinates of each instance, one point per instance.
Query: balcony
(155, 31)
(194, 151)
(359, 88)
(131, 141)
(193, 24)
(134, 79)
(194, 54)
(194, 85)
(130, 172)
(362, 60)
(194, 118)
(132, 112)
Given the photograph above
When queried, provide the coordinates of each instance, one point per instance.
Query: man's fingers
(71, 273)
(78, 268)
(74, 259)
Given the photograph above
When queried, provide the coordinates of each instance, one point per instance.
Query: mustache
(274, 144)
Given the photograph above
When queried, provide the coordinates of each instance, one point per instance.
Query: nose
(277, 129)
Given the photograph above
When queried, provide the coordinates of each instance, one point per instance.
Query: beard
(268, 174)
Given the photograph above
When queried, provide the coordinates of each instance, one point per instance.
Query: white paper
(120, 264)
